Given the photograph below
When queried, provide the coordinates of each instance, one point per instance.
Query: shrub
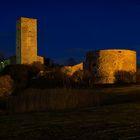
(36, 67)
(83, 78)
(6, 85)
(21, 74)
(53, 78)
(125, 77)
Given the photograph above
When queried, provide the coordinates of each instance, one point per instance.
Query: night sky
(70, 28)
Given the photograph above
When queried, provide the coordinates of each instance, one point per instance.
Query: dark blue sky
(70, 28)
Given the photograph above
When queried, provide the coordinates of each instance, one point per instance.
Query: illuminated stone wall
(112, 66)
(40, 59)
(70, 70)
(26, 41)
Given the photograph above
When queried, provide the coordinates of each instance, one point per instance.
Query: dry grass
(121, 121)
(117, 116)
(63, 99)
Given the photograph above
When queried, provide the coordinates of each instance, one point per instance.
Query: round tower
(112, 66)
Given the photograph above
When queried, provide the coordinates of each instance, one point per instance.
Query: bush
(6, 85)
(21, 74)
(83, 78)
(35, 68)
(122, 77)
(53, 78)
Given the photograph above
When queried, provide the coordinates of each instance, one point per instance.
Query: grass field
(32, 99)
(118, 120)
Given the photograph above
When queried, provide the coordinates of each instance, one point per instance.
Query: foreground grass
(117, 116)
(30, 100)
(121, 121)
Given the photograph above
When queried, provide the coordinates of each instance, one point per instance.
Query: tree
(2, 56)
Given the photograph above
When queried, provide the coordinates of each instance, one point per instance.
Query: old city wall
(70, 70)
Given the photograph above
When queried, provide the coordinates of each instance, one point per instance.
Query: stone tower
(26, 41)
(112, 66)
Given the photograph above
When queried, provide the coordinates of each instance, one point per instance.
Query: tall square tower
(26, 40)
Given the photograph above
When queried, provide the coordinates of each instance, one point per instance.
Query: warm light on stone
(106, 65)
(26, 41)
(70, 70)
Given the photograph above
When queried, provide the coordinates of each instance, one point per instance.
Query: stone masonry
(26, 41)
(108, 66)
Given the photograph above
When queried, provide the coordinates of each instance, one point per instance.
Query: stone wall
(110, 66)
(70, 70)
(40, 59)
